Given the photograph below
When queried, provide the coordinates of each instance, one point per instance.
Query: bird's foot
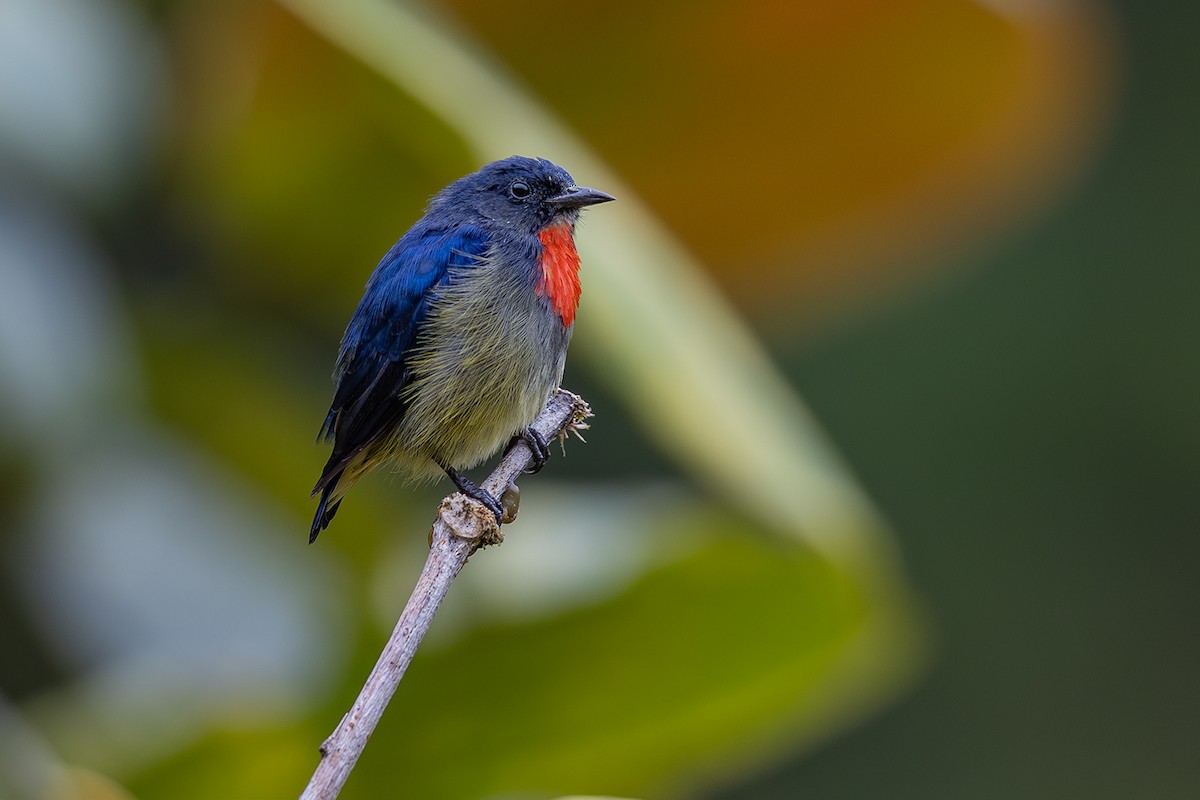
(468, 487)
(538, 447)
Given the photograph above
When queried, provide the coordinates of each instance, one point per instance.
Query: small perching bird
(461, 334)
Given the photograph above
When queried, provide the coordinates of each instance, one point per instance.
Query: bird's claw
(539, 449)
(471, 490)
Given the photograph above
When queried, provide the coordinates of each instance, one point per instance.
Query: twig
(462, 526)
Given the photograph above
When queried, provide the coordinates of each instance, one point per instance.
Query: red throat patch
(560, 271)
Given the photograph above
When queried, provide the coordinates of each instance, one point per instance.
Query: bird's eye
(519, 190)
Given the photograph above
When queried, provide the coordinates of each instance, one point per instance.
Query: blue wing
(371, 369)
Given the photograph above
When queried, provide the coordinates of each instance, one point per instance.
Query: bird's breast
(559, 270)
(489, 354)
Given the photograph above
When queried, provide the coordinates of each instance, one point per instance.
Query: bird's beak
(578, 197)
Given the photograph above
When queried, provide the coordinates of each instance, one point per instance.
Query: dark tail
(325, 510)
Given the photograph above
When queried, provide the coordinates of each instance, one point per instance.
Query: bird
(461, 334)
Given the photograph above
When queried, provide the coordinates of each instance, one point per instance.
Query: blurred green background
(963, 230)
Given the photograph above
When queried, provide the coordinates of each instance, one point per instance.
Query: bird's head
(527, 194)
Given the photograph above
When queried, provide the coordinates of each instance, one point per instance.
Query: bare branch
(462, 526)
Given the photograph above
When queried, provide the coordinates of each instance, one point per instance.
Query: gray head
(517, 192)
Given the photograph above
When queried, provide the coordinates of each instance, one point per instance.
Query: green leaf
(731, 654)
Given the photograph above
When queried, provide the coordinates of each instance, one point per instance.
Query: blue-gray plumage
(462, 332)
